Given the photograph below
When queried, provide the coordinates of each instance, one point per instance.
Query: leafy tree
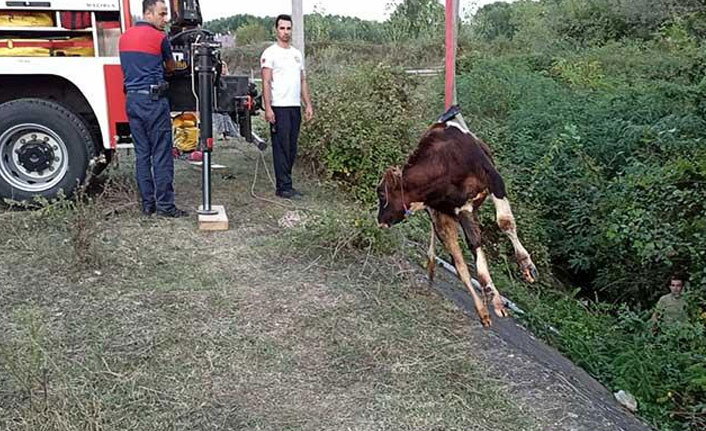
(413, 19)
(319, 27)
(233, 23)
(252, 32)
(495, 20)
(330, 28)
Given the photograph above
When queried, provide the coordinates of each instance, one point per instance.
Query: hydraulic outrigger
(215, 92)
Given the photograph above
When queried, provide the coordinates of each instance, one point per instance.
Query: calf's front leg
(447, 228)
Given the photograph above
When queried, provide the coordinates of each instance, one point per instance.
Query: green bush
(604, 146)
(329, 57)
(662, 366)
(615, 167)
(548, 23)
(367, 119)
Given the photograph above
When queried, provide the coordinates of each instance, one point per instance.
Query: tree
(414, 19)
(336, 28)
(251, 32)
(233, 23)
(495, 20)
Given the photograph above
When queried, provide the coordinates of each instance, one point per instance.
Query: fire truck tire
(44, 149)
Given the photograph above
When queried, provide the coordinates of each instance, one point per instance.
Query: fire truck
(62, 104)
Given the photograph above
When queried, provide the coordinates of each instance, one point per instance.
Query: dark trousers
(151, 128)
(285, 134)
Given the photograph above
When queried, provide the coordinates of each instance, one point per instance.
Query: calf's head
(391, 205)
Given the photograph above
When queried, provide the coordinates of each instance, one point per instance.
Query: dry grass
(168, 328)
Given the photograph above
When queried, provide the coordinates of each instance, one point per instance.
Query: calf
(450, 174)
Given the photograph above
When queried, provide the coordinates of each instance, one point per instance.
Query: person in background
(145, 57)
(284, 86)
(671, 307)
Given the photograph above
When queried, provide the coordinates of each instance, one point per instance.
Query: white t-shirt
(287, 66)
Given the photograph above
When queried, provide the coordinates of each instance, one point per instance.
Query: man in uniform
(284, 87)
(144, 54)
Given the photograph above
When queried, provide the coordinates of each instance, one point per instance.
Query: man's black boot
(288, 194)
(174, 213)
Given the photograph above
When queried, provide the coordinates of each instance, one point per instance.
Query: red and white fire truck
(62, 106)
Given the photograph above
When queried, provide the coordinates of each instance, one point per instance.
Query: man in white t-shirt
(284, 87)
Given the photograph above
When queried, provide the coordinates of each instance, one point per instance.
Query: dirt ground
(113, 321)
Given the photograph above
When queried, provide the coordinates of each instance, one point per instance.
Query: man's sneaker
(288, 194)
(174, 213)
(148, 212)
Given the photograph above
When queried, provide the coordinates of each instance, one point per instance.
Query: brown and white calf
(450, 174)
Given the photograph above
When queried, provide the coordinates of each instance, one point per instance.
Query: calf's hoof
(529, 271)
(499, 308)
(484, 317)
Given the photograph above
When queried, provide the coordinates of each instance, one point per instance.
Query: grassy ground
(111, 321)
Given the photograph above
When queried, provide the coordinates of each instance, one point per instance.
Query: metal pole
(206, 72)
(298, 25)
(451, 42)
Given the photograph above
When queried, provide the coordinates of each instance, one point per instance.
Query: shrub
(604, 147)
(661, 366)
(614, 167)
(367, 119)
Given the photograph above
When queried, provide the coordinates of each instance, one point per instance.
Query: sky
(377, 10)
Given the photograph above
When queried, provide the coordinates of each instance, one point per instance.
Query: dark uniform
(143, 51)
(285, 135)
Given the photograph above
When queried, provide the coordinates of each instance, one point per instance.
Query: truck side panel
(115, 101)
(88, 75)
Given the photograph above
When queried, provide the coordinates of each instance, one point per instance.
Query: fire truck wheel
(44, 148)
